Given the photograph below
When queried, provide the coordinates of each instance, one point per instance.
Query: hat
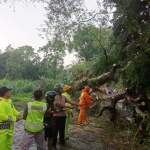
(87, 88)
(66, 88)
(3, 90)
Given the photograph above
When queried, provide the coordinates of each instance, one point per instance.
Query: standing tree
(89, 42)
(52, 63)
(131, 34)
(22, 64)
(3, 59)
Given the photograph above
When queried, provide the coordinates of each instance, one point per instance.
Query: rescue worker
(60, 117)
(48, 118)
(34, 128)
(8, 115)
(68, 111)
(85, 100)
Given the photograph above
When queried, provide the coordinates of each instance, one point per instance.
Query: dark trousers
(59, 126)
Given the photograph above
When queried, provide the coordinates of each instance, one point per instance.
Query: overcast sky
(18, 26)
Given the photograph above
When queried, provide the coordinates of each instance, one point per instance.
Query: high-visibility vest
(35, 117)
(67, 95)
(68, 110)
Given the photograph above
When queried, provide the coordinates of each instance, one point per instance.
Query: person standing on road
(85, 101)
(8, 115)
(60, 117)
(34, 128)
(48, 118)
(68, 112)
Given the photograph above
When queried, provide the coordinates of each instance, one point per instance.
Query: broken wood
(100, 80)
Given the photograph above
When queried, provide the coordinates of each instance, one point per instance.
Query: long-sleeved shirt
(85, 99)
(8, 114)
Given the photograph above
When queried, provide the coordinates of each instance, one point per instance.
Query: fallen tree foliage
(140, 103)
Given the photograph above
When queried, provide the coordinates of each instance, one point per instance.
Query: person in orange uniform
(85, 101)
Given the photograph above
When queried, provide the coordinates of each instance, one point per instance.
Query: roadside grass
(22, 90)
(21, 98)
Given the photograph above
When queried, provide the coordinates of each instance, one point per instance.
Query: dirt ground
(80, 137)
(100, 134)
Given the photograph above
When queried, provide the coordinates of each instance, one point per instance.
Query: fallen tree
(140, 103)
(97, 81)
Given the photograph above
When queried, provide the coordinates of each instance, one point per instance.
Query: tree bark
(100, 80)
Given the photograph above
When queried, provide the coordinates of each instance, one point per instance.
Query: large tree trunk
(100, 80)
(140, 104)
(112, 107)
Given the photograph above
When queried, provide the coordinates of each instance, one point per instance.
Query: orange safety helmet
(87, 88)
(66, 88)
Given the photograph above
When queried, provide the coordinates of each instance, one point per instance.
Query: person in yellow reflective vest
(34, 128)
(68, 111)
(8, 115)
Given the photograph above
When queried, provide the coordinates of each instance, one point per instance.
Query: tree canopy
(78, 28)
(117, 32)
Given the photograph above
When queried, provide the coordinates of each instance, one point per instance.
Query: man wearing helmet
(60, 117)
(68, 110)
(85, 101)
(48, 118)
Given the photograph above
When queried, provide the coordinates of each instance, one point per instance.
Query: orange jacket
(85, 98)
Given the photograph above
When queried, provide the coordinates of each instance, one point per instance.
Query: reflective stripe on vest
(34, 125)
(31, 107)
(5, 126)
